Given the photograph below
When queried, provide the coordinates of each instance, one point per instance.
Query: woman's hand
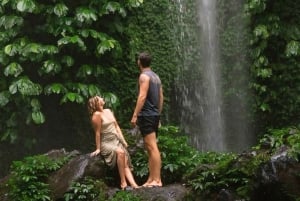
(125, 144)
(95, 153)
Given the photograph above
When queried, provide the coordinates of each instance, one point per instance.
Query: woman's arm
(119, 132)
(96, 122)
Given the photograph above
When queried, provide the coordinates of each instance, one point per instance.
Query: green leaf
(261, 31)
(72, 40)
(68, 60)
(72, 97)
(264, 107)
(86, 15)
(55, 88)
(135, 3)
(25, 87)
(84, 71)
(49, 49)
(26, 5)
(292, 49)
(32, 48)
(14, 69)
(3, 2)
(35, 104)
(112, 7)
(11, 134)
(94, 90)
(13, 88)
(4, 98)
(10, 50)
(51, 67)
(105, 45)
(60, 9)
(10, 21)
(264, 72)
(38, 117)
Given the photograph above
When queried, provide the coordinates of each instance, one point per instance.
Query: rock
(278, 179)
(173, 192)
(76, 169)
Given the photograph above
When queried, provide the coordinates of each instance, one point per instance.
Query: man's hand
(133, 121)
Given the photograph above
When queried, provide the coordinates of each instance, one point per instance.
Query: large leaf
(60, 9)
(38, 117)
(293, 48)
(94, 90)
(11, 49)
(105, 46)
(26, 5)
(35, 104)
(9, 21)
(50, 67)
(55, 88)
(68, 60)
(72, 40)
(14, 69)
(4, 98)
(86, 15)
(85, 70)
(261, 31)
(25, 87)
(72, 97)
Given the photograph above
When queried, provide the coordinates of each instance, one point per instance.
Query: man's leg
(154, 160)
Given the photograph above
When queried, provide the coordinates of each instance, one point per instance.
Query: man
(147, 115)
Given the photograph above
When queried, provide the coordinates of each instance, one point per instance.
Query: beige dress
(110, 142)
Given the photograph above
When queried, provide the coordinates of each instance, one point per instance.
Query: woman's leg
(128, 174)
(121, 167)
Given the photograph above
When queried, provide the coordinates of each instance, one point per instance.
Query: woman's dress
(110, 142)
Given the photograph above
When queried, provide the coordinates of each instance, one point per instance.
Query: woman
(110, 142)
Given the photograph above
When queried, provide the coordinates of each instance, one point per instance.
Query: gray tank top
(151, 105)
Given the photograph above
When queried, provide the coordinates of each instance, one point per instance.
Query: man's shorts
(148, 124)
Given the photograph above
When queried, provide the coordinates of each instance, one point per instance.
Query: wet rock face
(278, 179)
(174, 192)
(78, 167)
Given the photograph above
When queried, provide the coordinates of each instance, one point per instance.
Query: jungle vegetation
(55, 54)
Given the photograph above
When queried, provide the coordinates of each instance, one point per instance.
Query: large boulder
(278, 179)
(81, 165)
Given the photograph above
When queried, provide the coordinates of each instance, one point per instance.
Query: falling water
(200, 86)
(213, 121)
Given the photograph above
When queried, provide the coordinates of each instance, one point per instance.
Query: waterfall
(213, 127)
(211, 102)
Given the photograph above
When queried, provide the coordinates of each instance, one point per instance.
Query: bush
(27, 181)
(177, 156)
(87, 189)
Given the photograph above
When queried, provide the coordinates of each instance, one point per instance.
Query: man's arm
(143, 90)
(161, 100)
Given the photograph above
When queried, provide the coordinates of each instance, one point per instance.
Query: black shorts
(148, 124)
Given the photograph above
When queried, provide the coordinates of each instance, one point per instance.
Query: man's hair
(145, 59)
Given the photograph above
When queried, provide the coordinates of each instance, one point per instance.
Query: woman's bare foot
(123, 186)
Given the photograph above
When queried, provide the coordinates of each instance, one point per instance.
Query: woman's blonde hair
(93, 105)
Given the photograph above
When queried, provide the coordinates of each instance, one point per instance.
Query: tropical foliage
(205, 173)
(62, 50)
(275, 61)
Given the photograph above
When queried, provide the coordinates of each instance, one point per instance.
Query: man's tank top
(151, 105)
